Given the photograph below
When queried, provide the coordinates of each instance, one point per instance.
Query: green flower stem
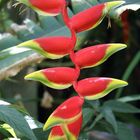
(129, 71)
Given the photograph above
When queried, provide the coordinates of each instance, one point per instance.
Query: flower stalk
(66, 120)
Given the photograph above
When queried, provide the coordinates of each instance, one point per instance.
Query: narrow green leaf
(129, 98)
(40, 134)
(94, 104)
(121, 107)
(110, 118)
(97, 119)
(79, 6)
(16, 121)
(129, 71)
(49, 23)
(87, 116)
(12, 41)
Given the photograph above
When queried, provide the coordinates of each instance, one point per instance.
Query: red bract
(57, 133)
(92, 17)
(87, 19)
(52, 7)
(50, 47)
(96, 55)
(75, 127)
(46, 7)
(67, 113)
(95, 88)
(58, 78)
(66, 120)
(65, 132)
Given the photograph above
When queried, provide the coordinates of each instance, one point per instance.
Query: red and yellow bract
(97, 87)
(92, 17)
(46, 7)
(65, 132)
(96, 54)
(66, 120)
(50, 47)
(67, 113)
(58, 78)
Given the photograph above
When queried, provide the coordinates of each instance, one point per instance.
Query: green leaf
(49, 23)
(93, 2)
(110, 118)
(12, 41)
(83, 136)
(129, 98)
(34, 124)
(87, 116)
(34, 28)
(79, 6)
(11, 65)
(97, 119)
(125, 133)
(16, 121)
(103, 126)
(121, 107)
(128, 72)
(40, 134)
(94, 104)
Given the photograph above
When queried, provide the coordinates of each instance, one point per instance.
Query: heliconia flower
(96, 55)
(92, 17)
(66, 114)
(50, 47)
(57, 78)
(45, 7)
(66, 131)
(95, 88)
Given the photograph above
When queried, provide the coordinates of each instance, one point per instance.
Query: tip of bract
(119, 45)
(51, 122)
(113, 4)
(118, 83)
(34, 76)
(115, 47)
(27, 44)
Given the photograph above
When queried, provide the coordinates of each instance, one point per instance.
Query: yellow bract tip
(113, 4)
(28, 44)
(52, 121)
(115, 48)
(34, 76)
(115, 83)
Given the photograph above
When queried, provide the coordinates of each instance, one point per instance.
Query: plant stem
(129, 71)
